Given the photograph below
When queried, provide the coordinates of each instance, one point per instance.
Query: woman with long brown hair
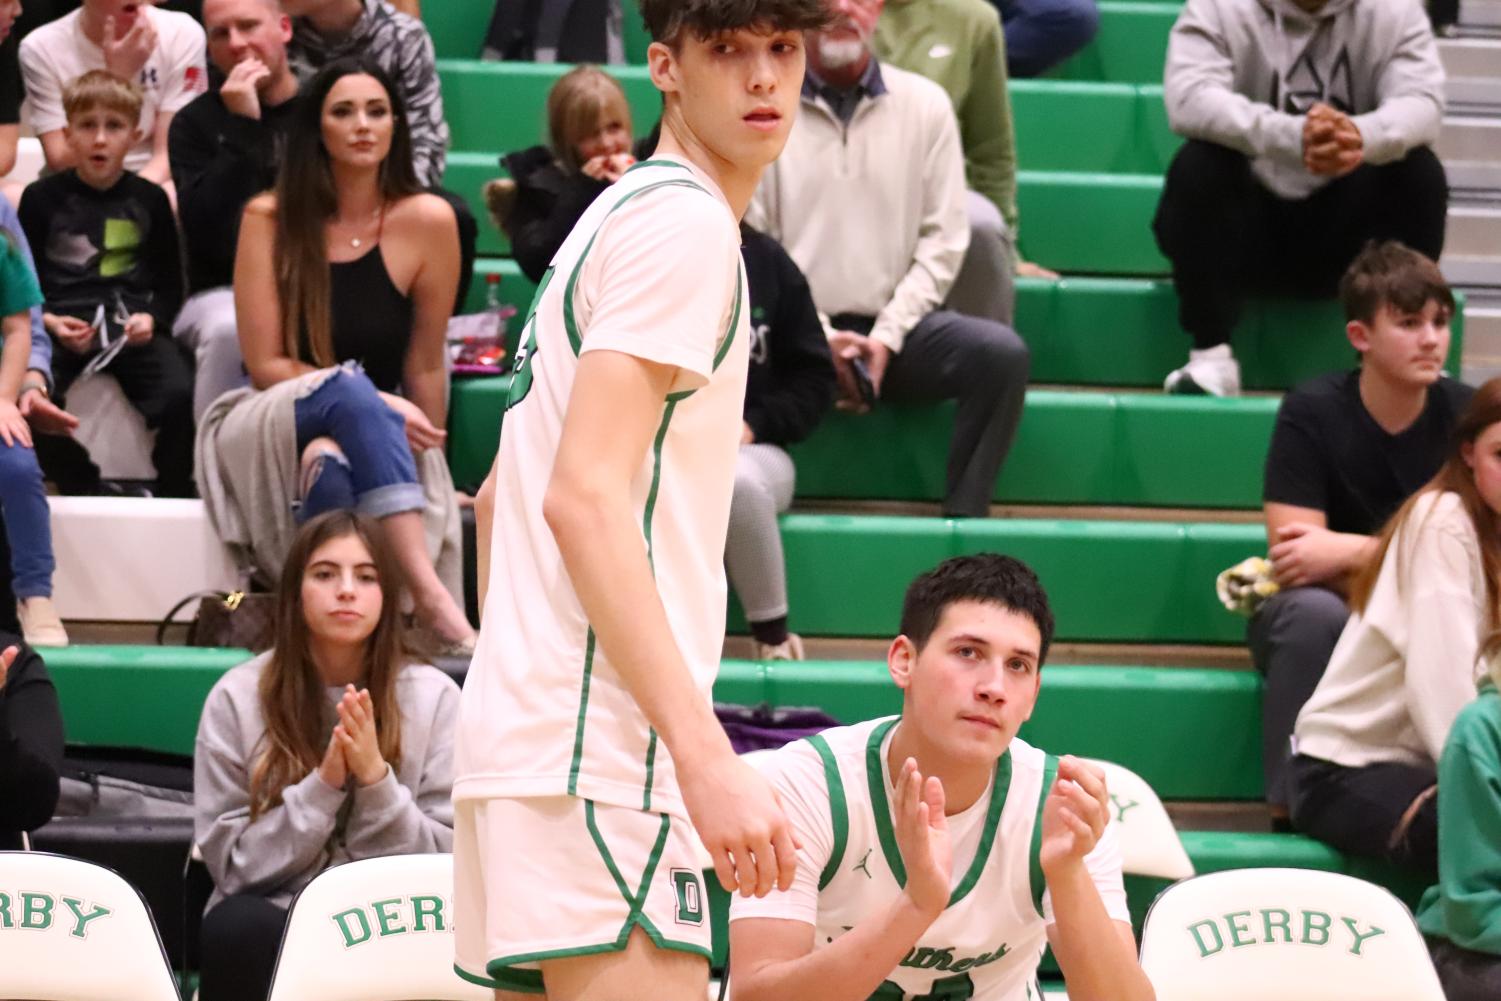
(1423, 629)
(332, 746)
(344, 282)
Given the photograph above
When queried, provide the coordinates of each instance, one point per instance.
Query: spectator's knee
(1076, 24)
(1002, 354)
(1309, 607)
(751, 491)
(17, 462)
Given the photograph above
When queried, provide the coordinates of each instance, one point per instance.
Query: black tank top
(372, 320)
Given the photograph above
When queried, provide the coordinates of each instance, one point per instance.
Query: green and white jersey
(836, 788)
(652, 270)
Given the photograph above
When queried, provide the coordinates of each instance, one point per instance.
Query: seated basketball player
(940, 853)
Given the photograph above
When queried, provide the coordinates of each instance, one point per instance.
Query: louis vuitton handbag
(227, 619)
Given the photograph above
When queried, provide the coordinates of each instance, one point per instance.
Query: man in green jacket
(958, 44)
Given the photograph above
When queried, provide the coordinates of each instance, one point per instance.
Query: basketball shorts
(546, 878)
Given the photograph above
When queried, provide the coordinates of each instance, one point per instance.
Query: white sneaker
(789, 649)
(1209, 372)
(40, 624)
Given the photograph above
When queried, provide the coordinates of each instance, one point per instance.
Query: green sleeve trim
(839, 809)
(570, 321)
(1000, 787)
(1039, 883)
(879, 804)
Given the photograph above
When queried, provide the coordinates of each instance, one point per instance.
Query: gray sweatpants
(764, 478)
(986, 283)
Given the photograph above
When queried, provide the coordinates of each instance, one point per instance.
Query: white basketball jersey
(652, 270)
(988, 942)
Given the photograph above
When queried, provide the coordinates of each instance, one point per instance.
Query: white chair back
(1288, 934)
(1149, 842)
(75, 931)
(377, 928)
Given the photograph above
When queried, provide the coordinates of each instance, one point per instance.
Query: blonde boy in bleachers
(940, 853)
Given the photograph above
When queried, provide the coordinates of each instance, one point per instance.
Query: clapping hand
(1074, 815)
(356, 735)
(922, 836)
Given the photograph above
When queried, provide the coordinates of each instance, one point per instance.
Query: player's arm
(1096, 952)
(614, 410)
(484, 527)
(774, 960)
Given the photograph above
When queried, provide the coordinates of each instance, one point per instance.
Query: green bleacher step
(1137, 449)
(1131, 46)
(1089, 223)
(1122, 331)
(1112, 128)
(1114, 713)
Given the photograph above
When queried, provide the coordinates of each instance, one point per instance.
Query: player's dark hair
(988, 578)
(1388, 273)
(666, 20)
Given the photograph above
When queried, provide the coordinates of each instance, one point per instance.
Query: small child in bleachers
(1461, 915)
(23, 500)
(333, 746)
(1425, 608)
(588, 148)
(107, 255)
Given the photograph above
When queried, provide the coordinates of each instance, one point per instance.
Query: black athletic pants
(157, 379)
(1227, 236)
(1365, 811)
(238, 944)
(1291, 637)
(1465, 975)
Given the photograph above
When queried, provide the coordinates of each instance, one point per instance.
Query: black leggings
(1466, 975)
(1361, 810)
(238, 945)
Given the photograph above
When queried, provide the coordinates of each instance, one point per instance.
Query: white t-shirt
(57, 53)
(836, 788)
(653, 270)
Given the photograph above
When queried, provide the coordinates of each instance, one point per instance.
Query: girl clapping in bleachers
(332, 746)
(1367, 742)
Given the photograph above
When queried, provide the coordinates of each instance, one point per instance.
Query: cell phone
(863, 385)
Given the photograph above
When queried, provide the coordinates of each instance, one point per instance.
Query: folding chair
(375, 929)
(75, 931)
(1149, 842)
(1288, 934)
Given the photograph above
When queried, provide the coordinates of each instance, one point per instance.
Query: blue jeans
(376, 475)
(1040, 34)
(28, 524)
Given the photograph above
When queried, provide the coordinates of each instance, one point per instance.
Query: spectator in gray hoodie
(1309, 127)
(331, 747)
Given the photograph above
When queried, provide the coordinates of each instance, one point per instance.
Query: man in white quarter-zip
(869, 199)
(940, 852)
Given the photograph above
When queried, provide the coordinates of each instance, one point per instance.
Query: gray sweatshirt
(1243, 74)
(316, 825)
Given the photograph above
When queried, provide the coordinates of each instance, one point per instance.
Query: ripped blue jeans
(376, 474)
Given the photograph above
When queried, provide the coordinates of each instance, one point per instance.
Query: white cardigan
(1403, 670)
